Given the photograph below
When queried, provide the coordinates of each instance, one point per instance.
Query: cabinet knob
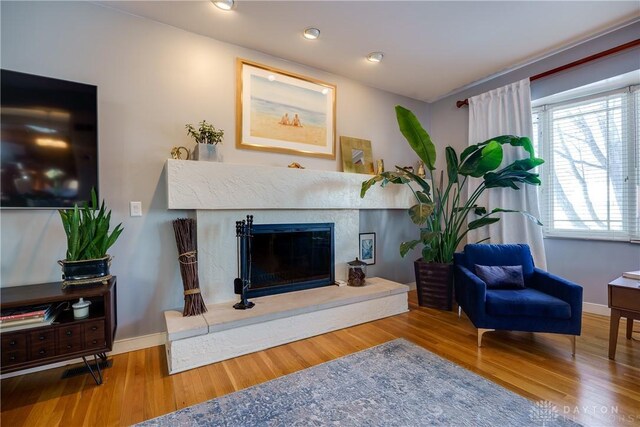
(68, 345)
(94, 328)
(41, 337)
(68, 333)
(43, 351)
(12, 358)
(95, 342)
(13, 342)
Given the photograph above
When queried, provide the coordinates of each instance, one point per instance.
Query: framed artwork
(284, 112)
(368, 248)
(356, 155)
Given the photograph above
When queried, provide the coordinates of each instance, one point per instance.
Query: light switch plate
(135, 208)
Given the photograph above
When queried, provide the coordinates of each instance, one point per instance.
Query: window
(590, 179)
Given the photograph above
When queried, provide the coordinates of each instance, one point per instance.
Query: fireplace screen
(290, 257)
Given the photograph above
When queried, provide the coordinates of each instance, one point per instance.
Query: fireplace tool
(244, 236)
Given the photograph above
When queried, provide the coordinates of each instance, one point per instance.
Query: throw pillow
(501, 277)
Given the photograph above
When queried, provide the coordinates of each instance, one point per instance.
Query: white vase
(206, 152)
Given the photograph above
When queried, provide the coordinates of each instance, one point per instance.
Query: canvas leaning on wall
(284, 112)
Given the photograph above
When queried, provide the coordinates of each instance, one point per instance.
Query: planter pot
(85, 272)
(434, 282)
(206, 152)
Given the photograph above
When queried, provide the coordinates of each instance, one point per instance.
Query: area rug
(393, 384)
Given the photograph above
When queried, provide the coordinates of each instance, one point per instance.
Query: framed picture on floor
(283, 112)
(368, 248)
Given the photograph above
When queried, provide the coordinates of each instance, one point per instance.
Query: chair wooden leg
(481, 332)
(573, 344)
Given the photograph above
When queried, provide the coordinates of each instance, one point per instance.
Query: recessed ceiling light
(375, 56)
(311, 33)
(224, 4)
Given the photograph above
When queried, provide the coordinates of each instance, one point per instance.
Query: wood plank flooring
(592, 388)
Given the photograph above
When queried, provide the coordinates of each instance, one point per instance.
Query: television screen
(49, 141)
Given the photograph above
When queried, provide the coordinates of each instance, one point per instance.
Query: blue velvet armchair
(546, 303)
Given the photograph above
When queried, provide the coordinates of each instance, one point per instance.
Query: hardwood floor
(590, 387)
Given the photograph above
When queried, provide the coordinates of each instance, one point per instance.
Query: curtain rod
(573, 64)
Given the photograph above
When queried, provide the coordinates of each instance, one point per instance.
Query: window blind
(590, 177)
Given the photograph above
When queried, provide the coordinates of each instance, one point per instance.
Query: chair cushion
(501, 276)
(525, 302)
(503, 254)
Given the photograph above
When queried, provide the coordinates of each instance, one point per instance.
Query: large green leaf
(417, 137)
(452, 164)
(482, 222)
(405, 247)
(420, 212)
(482, 161)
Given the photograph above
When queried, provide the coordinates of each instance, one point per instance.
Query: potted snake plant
(88, 240)
(441, 208)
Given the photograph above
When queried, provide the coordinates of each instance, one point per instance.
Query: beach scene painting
(285, 113)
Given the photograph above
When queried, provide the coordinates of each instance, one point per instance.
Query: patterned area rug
(393, 384)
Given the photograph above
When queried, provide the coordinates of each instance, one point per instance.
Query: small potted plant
(88, 240)
(207, 138)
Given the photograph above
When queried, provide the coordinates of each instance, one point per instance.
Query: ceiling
(431, 48)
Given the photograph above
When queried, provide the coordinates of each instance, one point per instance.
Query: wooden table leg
(613, 332)
(629, 327)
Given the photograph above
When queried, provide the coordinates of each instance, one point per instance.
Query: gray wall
(590, 263)
(152, 79)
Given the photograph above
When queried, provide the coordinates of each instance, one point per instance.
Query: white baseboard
(119, 346)
(601, 309)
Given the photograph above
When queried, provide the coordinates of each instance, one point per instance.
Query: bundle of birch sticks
(185, 231)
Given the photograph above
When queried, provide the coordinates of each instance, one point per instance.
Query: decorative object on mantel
(380, 167)
(185, 232)
(357, 273)
(421, 172)
(441, 215)
(283, 112)
(356, 155)
(368, 248)
(178, 152)
(207, 138)
(88, 240)
(295, 165)
(244, 238)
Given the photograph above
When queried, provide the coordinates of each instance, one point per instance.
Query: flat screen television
(49, 141)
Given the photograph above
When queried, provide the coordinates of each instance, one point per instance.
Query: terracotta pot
(434, 282)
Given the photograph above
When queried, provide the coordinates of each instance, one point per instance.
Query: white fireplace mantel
(221, 186)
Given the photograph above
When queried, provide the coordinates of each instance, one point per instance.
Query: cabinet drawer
(625, 298)
(12, 357)
(69, 339)
(94, 334)
(42, 344)
(16, 341)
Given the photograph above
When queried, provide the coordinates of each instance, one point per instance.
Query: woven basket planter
(434, 283)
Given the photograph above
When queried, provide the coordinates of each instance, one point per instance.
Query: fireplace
(290, 257)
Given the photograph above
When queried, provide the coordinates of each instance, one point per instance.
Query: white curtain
(507, 111)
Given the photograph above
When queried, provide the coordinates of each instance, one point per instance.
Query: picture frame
(367, 248)
(284, 112)
(356, 155)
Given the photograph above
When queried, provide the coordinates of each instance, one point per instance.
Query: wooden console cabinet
(66, 338)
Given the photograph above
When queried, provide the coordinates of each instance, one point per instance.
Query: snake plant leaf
(452, 164)
(482, 161)
(417, 137)
(420, 212)
(94, 198)
(482, 222)
(405, 247)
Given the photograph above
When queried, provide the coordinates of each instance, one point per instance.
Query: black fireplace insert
(290, 257)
